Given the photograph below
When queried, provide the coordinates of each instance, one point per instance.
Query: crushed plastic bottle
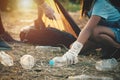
(6, 59)
(57, 62)
(106, 65)
(48, 48)
(88, 77)
(27, 61)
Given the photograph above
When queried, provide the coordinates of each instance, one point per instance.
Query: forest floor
(13, 22)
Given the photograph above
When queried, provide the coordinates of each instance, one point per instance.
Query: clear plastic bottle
(58, 62)
(88, 77)
(106, 65)
(27, 61)
(6, 59)
(48, 48)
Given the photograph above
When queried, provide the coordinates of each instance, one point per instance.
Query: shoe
(106, 64)
(4, 45)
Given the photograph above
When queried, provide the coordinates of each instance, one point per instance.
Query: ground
(13, 22)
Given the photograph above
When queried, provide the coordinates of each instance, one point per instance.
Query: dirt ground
(13, 22)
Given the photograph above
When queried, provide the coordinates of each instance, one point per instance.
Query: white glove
(70, 57)
(49, 12)
(71, 54)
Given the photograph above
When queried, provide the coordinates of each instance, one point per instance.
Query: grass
(71, 6)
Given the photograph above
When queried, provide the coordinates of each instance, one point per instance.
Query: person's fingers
(52, 17)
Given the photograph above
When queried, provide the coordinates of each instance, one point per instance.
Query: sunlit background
(25, 4)
(70, 5)
(20, 13)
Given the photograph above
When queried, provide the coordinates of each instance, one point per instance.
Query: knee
(96, 35)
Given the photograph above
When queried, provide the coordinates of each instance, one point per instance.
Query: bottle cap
(51, 63)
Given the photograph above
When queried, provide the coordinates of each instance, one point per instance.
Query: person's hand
(67, 59)
(39, 24)
(70, 57)
(72, 53)
(49, 12)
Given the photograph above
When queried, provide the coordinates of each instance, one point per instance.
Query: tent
(63, 30)
(66, 23)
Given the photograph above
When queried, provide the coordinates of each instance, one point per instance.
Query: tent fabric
(63, 21)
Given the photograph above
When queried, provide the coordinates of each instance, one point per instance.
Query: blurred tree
(71, 5)
(75, 1)
(64, 1)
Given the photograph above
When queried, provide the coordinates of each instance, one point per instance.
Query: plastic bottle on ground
(48, 48)
(6, 59)
(106, 65)
(88, 77)
(58, 62)
(27, 61)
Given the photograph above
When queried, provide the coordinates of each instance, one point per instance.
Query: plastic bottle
(48, 48)
(88, 77)
(27, 61)
(106, 65)
(58, 62)
(6, 59)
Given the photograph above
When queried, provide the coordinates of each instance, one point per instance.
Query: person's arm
(71, 55)
(88, 29)
(85, 33)
(49, 12)
(39, 2)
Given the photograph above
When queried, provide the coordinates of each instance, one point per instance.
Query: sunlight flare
(25, 4)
